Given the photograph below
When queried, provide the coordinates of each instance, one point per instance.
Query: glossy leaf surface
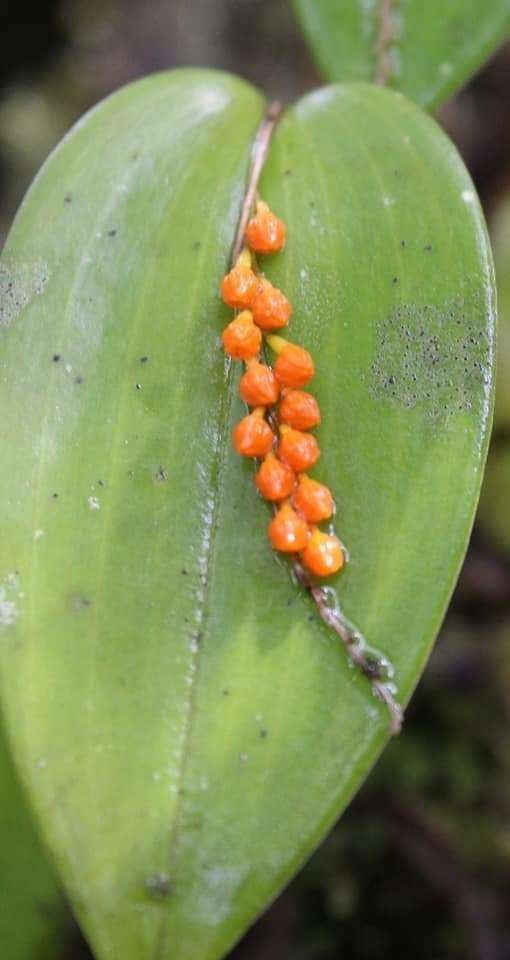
(426, 50)
(187, 727)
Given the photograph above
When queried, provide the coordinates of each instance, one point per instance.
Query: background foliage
(425, 50)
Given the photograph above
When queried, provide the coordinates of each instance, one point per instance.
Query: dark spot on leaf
(68, 198)
(57, 357)
(161, 475)
(143, 359)
(78, 380)
(395, 279)
(55, 496)
(101, 483)
(428, 247)
(197, 244)
(81, 602)
(138, 386)
(402, 243)
(184, 572)
(287, 173)
(112, 233)
(438, 366)
(158, 885)
(225, 693)
(263, 734)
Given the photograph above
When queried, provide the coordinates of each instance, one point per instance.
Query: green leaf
(200, 728)
(426, 50)
(31, 918)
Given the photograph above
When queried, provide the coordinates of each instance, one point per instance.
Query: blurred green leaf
(32, 909)
(189, 729)
(426, 50)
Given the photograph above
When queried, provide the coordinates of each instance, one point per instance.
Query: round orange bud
(258, 385)
(239, 287)
(266, 233)
(242, 339)
(288, 532)
(294, 366)
(299, 450)
(299, 410)
(323, 554)
(271, 309)
(252, 436)
(313, 500)
(275, 480)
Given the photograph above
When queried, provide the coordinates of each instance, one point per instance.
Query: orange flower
(275, 480)
(288, 532)
(313, 500)
(299, 450)
(271, 309)
(265, 232)
(299, 410)
(242, 339)
(323, 554)
(253, 437)
(238, 288)
(294, 366)
(258, 385)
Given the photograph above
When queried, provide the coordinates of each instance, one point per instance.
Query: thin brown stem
(258, 157)
(350, 639)
(384, 40)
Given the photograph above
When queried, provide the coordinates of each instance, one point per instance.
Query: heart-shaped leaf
(187, 726)
(426, 50)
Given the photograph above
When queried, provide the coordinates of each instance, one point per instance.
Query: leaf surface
(186, 725)
(426, 50)
(32, 913)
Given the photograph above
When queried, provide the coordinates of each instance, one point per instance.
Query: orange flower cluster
(279, 403)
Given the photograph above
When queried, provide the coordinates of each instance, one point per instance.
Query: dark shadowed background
(420, 864)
